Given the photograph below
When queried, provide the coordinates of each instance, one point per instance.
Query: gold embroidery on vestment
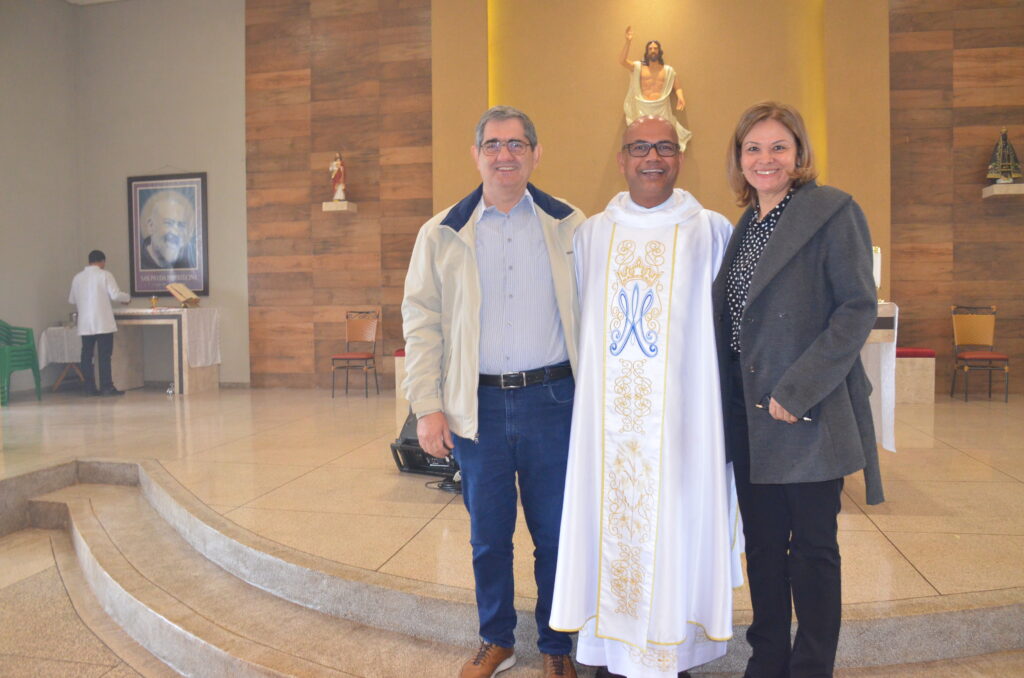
(636, 278)
(632, 389)
(662, 660)
(631, 495)
(628, 577)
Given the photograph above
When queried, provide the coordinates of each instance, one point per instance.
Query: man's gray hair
(499, 113)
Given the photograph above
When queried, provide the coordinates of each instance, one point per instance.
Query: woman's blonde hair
(805, 171)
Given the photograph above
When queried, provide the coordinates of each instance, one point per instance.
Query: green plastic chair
(17, 352)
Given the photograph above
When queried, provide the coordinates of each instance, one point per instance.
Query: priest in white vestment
(648, 554)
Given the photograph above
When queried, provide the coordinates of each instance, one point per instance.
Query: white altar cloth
(59, 345)
(879, 359)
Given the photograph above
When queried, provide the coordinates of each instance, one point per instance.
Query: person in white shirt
(92, 290)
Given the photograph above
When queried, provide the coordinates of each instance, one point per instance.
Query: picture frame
(168, 234)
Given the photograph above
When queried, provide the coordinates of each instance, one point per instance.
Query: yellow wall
(558, 61)
(857, 73)
(458, 45)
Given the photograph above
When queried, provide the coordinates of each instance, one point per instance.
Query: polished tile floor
(316, 473)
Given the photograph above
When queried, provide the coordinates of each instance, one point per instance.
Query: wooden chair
(974, 330)
(360, 328)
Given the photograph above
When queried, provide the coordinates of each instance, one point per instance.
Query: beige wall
(161, 90)
(38, 188)
(92, 95)
(559, 63)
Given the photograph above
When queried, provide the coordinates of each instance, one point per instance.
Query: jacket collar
(799, 222)
(460, 213)
(802, 218)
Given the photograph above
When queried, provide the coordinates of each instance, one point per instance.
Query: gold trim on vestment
(649, 642)
(664, 391)
(604, 409)
(630, 488)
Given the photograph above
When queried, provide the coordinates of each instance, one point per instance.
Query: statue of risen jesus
(651, 85)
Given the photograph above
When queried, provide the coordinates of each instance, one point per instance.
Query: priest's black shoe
(603, 672)
(111, 392)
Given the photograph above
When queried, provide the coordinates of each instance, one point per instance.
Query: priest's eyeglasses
(640, 149)
(514, 146)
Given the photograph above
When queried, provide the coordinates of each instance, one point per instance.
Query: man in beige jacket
(490, 328)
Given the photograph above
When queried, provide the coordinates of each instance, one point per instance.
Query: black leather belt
(528, 378)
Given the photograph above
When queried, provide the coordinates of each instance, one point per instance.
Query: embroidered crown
(637, 270)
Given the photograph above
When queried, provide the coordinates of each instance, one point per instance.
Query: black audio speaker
(410, 457)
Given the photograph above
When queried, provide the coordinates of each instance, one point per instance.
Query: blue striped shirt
(520, 328)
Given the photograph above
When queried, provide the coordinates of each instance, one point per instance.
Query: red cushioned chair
(360, 328)
(974, 331)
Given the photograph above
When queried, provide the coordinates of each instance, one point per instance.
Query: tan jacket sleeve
(421, 326)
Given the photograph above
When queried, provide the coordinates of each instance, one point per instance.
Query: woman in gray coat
(794, 302)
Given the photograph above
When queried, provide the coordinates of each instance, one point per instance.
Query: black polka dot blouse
(743, 264)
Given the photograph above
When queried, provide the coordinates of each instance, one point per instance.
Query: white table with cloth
(63, 346)
(879, 359)
(195, 347)
(195, 343)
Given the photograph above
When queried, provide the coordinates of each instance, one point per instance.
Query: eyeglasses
(514, 146)
(640, 149)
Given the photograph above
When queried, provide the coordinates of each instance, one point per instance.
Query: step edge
(92, 614)
(17, 490)
(418, 609)
(220, 540)
(167, 628)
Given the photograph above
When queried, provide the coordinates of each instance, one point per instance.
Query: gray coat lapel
(799, 222)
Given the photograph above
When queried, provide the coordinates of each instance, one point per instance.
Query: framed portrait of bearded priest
(167, 233)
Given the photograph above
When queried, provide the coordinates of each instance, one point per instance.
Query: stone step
(93, 614)
(416, 614)
(199, 619)
(417, 608)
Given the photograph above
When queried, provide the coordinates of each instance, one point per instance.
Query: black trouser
(105, 345)
(792, 554)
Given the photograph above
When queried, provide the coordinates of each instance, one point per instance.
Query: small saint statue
(651, 84)
(337, 170)
(1004, 166)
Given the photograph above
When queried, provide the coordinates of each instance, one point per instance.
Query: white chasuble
(649, 548)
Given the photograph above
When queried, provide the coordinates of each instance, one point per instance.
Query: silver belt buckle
(511, 384)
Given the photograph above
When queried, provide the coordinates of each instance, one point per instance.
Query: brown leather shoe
(489, 660)
(558, 666)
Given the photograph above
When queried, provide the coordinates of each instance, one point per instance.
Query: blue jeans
(522, 432)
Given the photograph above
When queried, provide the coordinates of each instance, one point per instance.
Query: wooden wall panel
(957, 78)
(325, 76)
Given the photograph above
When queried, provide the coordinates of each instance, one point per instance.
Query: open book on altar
(183, 294)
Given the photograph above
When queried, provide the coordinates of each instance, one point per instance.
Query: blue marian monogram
(634, 308)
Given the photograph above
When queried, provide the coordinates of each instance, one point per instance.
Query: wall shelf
(345, 206)
(1002, 189)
